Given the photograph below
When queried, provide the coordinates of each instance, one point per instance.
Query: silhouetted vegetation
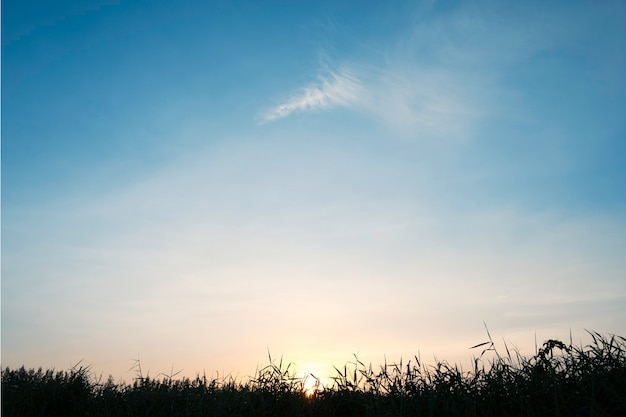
(559, 380)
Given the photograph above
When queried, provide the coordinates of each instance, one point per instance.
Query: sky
(195, 184)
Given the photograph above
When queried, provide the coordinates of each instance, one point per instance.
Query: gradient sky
(195, 183)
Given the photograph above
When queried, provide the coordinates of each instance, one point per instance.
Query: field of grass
(559, 380)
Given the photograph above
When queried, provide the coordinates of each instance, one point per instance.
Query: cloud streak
(402, 95)
(427, 86)
(337, 88)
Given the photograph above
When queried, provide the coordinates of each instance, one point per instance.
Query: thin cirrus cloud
(431, 87)
(337, 88)
(403, 96)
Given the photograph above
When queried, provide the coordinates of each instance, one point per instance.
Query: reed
(559, 380)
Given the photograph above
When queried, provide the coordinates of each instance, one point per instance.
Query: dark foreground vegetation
(559, 380)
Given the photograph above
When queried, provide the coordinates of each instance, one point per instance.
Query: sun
(310, 384)
(313, 377)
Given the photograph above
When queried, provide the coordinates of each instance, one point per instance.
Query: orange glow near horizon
(310, 384)
(314, 377)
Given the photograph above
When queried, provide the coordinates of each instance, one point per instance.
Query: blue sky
(195, 183)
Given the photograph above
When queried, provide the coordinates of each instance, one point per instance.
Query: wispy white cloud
(427, 103)
(439, 80)
(336, 88)
(403, 96)
(407, 98)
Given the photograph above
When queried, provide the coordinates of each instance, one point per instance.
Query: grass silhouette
(559, 380)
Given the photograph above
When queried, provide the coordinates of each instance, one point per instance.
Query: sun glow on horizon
(311, 384)
(314, 377)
